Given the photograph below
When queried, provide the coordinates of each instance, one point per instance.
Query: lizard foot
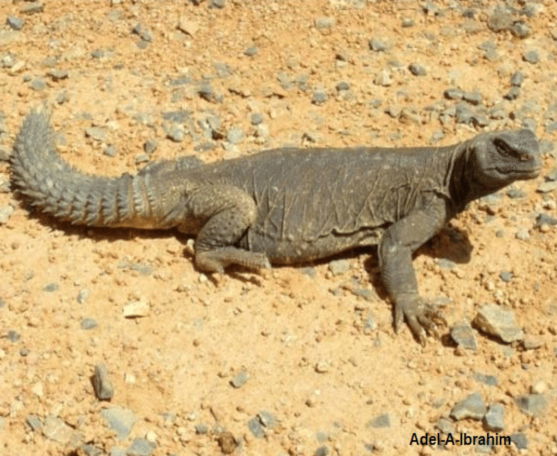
(422, 318)
(218, 259)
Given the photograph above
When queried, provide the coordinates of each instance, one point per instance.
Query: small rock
(322, 451)
(380, 421)
(5, 214)
(51, 287)
(378, 45)
(256, 119)
(141, 158)
(150, 146)
(506, 276)
(251, 51)
(517, 78)
(92, 450)
(239, 379)
(97, 133)
(120, 420)
(322, 367)
(497, 321)
(141, 447)
(144, 33)
(15, 22)
(520, 440)
(38, 84)
(188, 26)
(201, 429)
(532, 404)
(464, 336)
(546, 187)
(338, 267)
(218, 3)
(175, 133)
(34, 422)
(324, 23)
(472, 407)
(254, 425)
(383, 78)
(104, 391)
(319, 97)
(88, 323)
(110, 151)
(57, 430)
(235, 135)
(445, 425)
(417, 70)
(489, 380)
(494, 419)
(474, 98)
(512, 94)
(453, 94)
(500, 20)
(32, 8)
(531, 56)
(521, 29)
(136, 309)
(83, 295)
(57, 74)
(522, 234)
(342, 86)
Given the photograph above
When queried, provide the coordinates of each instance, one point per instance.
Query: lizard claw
(422, 318)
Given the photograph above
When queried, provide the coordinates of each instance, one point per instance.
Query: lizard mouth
(528, 173)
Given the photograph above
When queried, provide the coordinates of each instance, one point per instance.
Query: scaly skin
(287, 206)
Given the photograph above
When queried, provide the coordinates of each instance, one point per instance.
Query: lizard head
(500, 158)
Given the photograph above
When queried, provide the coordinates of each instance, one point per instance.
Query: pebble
(506, 276)
(57, 430)
(188, 26)
(545, 219)
(521, 29)
(489, 380)
(342, 86)
(218, 3)
(83, 295)
(235, 135)
(378, 45)
(5, 214)
(88, 323)
(520, 440)
(383, 78)
(207, 93)
(532, 404)
(57, 75)
(34, 422)
(500, 20)
(104, 391)
(120, 420)
(255, 427)
(517, 78)
(445, 425)
(141, 447)
(175, 133)
(494, 419)
(319, 97)
(150, 146)
(51, 287)
(546, 187)
(256, 118)
(97, 133)
(227, 442)
(322, 451)
(417, 70)
(497, 321)
(516, 193)
(324, 23)
(338, 267)
(92, 450)
(32, 7)
(15, 23)
(453, 94)
(144, 33)
(380, 421)
(251, 51)
(141, 158)
(464, 336)
(13, 336)
(201, 429)
(110, 151)
(531, 56)
(522, 234)
(474, 98)
(472, 407)
(4, 154)
(136, 309)
(239, 379)
(38, 84)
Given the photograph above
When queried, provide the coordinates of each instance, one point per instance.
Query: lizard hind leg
(228, 213)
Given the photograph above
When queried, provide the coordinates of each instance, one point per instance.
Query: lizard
(287, 205)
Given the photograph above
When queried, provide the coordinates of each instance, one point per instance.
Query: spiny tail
(59, 189)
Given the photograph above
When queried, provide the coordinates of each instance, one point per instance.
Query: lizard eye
(504, 148)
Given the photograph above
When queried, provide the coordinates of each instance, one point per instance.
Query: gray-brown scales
(290, 205)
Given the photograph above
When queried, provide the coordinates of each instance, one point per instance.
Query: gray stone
(531, 56)
(464, 336)
(92, 450)
(532, 404)
(175, 132)
(141, 447)
(407, 22)
(516, 193)
(201, 428)
(206, 92)
(57, 430)
(13, 336)
(5, 214)
(489, 380)
(517, 78)
(117, 451)
(120, 420)
(150, 146)
(110, 151)
(218, 3)
(474, 98)
(506, 276)
(57, 74)
(97, 133)
(378, 45)
(141, 158)
(453, 94)
(501, 19)
(472, 407)
(383, 78)
(38, 84)
(256, 118)
(179, 116)
(319, 97)
(380, 421)
(51, 287)
(102, 384)
(143, 32)
(417, 70)
(32, 8)
(254, 425)
(322, 451)
(520, 440)
(34, 422)
(342, 86)
(15, 22)
(545, 219)
(239, 379)
(88, 323)
(521, 29)
(83, 295)
(546, 187)
(251, 51)
(324, 23)
(235, 135)
(494, 419)
(498, 321)
(445, 425)
(267, 419)
(338, 267)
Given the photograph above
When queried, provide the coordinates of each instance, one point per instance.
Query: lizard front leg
(398, 244)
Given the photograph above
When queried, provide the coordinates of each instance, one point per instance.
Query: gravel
(235, 135)
(494, 419)
(141, 447)
(88, 323)
(532, 404)
(499, 322)
(319, 97)
(15, 23)
(5, 214)
(239, 379)
(104, 391)
(417, 70)
(472, 407)
(380, 421)
(120, 420)
(520, 440)
(464, 336)
(531, 56)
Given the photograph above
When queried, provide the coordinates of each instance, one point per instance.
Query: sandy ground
(297, 360)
